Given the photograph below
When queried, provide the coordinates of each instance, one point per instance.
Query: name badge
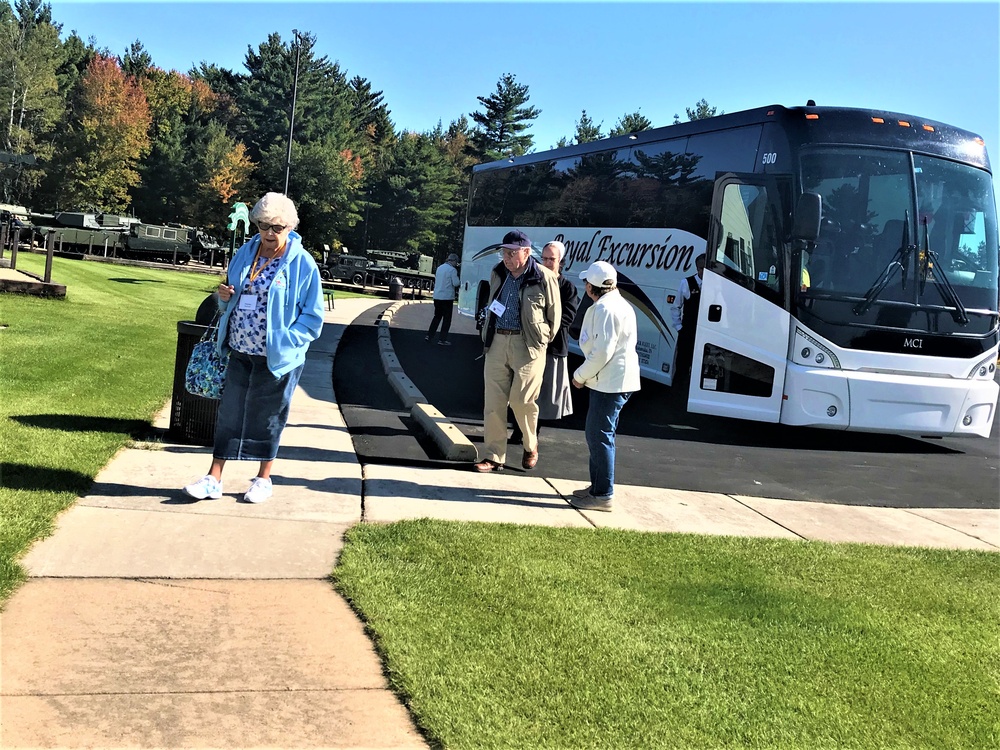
(248, 302)
(497, 308)
(584, 337)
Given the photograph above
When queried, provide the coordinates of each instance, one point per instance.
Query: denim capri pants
(253, 410)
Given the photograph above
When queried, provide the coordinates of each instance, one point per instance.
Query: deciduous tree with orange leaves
(109, 134)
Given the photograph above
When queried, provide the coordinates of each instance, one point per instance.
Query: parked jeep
(353, 268)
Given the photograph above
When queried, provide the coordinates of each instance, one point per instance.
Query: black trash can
(395, 288)
(192, 418)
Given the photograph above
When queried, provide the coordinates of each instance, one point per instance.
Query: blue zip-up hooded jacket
(294, 303)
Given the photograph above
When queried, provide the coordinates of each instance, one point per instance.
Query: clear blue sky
(933, 60)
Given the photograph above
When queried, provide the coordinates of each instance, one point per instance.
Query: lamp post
(291, 119)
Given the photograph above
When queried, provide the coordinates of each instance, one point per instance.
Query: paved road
(659, 444)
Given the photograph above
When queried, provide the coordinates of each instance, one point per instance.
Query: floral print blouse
(248, 328)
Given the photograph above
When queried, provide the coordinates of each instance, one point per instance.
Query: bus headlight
(809, 352)
(984, 369)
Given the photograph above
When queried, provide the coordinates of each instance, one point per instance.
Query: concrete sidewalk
(150, 620)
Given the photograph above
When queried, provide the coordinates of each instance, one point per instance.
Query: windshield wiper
(930, 262)
(899, 261)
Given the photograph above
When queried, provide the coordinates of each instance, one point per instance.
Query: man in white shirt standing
(445, 287)
(684, 313)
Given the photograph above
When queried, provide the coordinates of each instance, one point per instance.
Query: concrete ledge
(21, 282)
(408, 393)
(390, 362)
(453, 443)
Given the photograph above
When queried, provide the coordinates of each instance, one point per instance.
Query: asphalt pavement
(660, 445)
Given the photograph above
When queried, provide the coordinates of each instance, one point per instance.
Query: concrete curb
(452, 442)
(408, 393)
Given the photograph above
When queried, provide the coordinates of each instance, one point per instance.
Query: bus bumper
(878, 402)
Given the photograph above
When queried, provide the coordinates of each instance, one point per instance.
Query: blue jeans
(602, 423)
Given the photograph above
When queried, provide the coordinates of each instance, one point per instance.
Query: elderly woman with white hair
(272, 309)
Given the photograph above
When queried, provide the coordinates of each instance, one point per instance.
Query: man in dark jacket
(523, 317)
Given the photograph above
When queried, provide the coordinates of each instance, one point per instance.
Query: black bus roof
(841, 125)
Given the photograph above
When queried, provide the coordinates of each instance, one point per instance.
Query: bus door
(741, 338)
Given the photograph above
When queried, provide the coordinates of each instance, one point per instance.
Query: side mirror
(808, 215)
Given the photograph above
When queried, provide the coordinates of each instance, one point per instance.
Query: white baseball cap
(601, 274)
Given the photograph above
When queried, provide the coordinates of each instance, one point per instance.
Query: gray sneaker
(589, 502)
(585, 492)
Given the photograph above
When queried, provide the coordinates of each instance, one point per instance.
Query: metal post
(106, 247)
(291, 119)
(13, 257)
(3, 239)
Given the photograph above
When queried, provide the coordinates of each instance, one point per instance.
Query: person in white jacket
(611, 371)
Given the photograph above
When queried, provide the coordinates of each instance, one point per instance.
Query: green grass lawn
(519, 637)
(81, 377)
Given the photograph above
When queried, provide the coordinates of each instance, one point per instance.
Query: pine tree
(586, 130)
(502, 124)
(631, 123)
(700, 111)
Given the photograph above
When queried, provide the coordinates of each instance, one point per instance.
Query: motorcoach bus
(851, 278)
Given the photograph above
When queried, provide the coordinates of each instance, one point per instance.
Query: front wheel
(325, 274)
(358, 279)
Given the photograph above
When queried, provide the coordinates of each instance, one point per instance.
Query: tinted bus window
(489, 197)
(654, 186)
(709, 155)
(593, 195)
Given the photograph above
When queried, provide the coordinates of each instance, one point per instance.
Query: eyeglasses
(276, 228)
(549, 259)
(510, 253)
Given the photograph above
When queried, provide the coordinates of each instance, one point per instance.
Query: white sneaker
(260, 490)
(206, 488)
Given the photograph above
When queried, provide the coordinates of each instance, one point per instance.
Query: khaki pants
(511, 377)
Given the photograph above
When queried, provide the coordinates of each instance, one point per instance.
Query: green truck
(379, 268)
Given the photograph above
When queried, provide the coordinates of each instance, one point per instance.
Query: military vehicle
(111, 235)
(78, 233)
(353, 268)
(158, 242)
(413, 269)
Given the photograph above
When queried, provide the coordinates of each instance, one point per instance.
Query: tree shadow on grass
(43, 478)
(122, 280)
(136, 428)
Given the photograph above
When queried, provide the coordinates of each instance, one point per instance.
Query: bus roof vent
(811, 103)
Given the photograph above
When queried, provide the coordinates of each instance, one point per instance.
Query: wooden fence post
(50, 247)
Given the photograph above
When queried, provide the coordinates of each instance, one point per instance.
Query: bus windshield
(907, 241)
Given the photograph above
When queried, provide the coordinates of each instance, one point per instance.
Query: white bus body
(830, 331)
